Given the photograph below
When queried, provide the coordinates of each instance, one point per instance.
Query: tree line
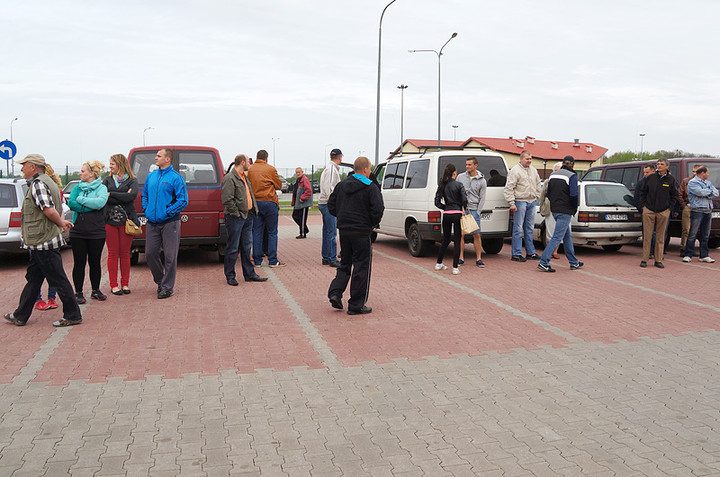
(625, 156)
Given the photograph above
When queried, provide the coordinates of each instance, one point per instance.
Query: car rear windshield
(607, 195)
(8, 196)
(492, 167)
(197, 167)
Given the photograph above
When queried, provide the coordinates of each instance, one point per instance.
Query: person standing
(87, 237)
(329, 178)
(450, 197)
(302, 200)
(240, 211)
(265, 181)
(685, 209)
(41, 228)
(549, 219)
(562, 192)
(701, 193)
(358, 206)
(122, 190)
(164, 196)
(657, 195)
(475, 188)
(522, 191)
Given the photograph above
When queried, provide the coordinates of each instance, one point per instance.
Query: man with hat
(329, 178)
(562, 191)
(41, 231)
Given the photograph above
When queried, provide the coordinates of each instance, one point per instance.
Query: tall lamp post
(11, 140)
(273, 140)
(144, 131)
(439, 55)
(326, 153)
(377, 106)
(402, 89)
(455, 126)
(642, 140)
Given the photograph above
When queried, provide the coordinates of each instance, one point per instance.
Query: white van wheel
(417, 246)
(492, 246)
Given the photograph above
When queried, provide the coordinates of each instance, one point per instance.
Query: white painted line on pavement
(537, 321)
(329, 359)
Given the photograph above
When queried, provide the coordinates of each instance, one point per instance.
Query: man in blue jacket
(164, 196)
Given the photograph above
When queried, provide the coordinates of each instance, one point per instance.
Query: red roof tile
(584, 151)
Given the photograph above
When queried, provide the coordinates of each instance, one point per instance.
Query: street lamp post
(455, 126)
(144, 131)
(377, 106)
(273, 140)
(402, 89)
(439, 55)
(326, 153)
(642, 140)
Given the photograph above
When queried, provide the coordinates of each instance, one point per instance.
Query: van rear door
(201, 170)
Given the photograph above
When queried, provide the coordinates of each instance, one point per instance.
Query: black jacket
(357, 206)
(657, 193)
(562, 191)
(451, 197)
(121, 197)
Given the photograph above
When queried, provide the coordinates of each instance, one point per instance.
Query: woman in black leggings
(451, 198)
(87, 237)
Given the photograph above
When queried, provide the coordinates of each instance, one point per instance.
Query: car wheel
(492, 246)
(417, 246)
(612, 247)
(134, 257)
(221, 253)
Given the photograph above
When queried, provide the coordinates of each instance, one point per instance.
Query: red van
(203, 220)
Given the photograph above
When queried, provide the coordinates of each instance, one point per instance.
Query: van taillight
(222, 217)
(588, 217)
(434, 216)
(15, 219)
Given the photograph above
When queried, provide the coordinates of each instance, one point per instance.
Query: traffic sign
(7, 150)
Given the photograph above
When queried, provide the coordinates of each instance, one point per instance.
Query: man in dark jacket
(562, 192)
(657, 195)
(358, 205)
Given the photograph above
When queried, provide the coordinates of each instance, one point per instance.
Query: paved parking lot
(608, 370)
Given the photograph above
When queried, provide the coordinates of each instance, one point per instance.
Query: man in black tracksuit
(656, 196)
(358, 205)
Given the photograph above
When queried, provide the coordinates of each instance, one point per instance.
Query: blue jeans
(523, 225)
(239, 240)
(562, 234)
(267, 217)
(329, 232)
(700, 228)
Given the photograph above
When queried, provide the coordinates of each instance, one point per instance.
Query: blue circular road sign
(7, 150)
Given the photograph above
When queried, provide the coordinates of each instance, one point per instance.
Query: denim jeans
(523, 225)
(562, 234)
(239, 241)
(329, 234)
(267, 217)
(700, 228)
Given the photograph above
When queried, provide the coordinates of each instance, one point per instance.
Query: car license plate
(716, 215)
(485, 215)
(616, 217)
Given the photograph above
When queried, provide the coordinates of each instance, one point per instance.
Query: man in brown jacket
(240, 210)
(265, 181)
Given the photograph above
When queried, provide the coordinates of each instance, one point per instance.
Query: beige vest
(36, 228)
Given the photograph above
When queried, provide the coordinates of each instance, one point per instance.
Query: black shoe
(232, 282)
(336, 302)
(256, 278)
(335, 264)
(575, 267)
(11, 318)
(659, 265)
(325, 262)
(518, 258)
(534, 256)
(643, 264)
(80, 298)
(117, 292)
(165, 294)
(545, 268)
(362, 311)
(98, 295)
(126, 291)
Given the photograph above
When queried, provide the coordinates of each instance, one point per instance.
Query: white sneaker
(707, 260)
(687, 259)
(456, 271)
(440, 266)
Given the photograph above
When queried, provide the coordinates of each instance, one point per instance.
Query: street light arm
(377, 106)
(443, 47)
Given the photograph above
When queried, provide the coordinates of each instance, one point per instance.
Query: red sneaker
(52, 304)
(41, 305)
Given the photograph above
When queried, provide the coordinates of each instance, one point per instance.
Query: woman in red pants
(122, 189)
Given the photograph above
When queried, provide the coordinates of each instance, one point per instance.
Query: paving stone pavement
(611, 370)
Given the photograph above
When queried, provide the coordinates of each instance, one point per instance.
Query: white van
(408, 183)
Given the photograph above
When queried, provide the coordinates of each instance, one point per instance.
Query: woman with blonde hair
(122, 190)
(87, 237)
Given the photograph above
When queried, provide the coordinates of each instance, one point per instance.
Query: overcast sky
(85, 78)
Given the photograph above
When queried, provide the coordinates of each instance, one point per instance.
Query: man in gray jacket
(475, 188)
(240, 210)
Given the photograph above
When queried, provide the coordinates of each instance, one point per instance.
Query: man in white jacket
(328, 180)
(522, 190)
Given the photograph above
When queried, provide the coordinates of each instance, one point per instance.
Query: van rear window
(489, 166)
(198, 167)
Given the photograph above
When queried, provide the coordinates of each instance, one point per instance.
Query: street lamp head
(454, 35)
